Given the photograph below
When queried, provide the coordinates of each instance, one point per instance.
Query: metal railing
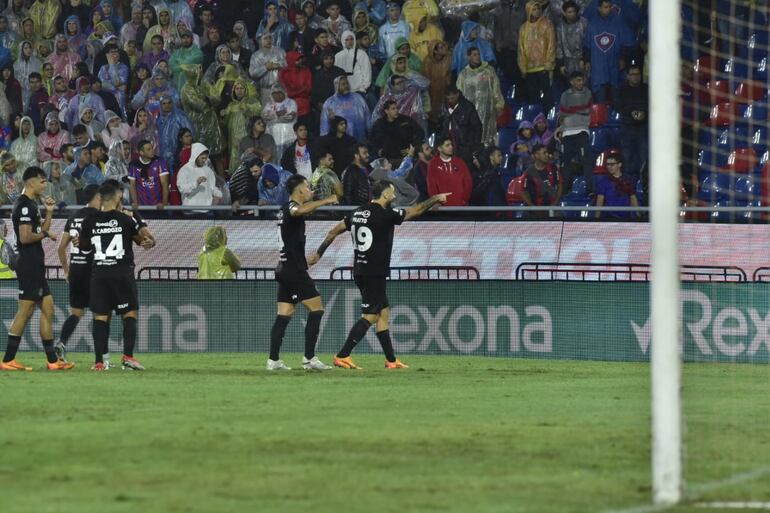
(167, 273)
(416, 273)
(576, 271)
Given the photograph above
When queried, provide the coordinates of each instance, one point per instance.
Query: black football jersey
(291, 230)
(74, 224)
(26, 211)
(110, 237)
(372, 229)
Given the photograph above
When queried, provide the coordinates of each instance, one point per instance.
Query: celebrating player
(109, 234)
(77, 267)
(372, 226)
(30, 270)
(294, 282)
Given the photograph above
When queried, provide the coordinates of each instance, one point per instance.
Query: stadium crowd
(212, 102)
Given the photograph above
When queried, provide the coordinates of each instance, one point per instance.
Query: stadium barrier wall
(722, 322)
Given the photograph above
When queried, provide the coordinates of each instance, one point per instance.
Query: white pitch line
(695, 490)
(734, 505)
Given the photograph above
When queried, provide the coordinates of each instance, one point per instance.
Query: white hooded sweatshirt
(194, 193)
(361, 77)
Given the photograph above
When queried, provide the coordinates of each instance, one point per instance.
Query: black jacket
(323, 85)
(355, 185)
(342, 149)
(632, 99)
(464, 122)
(287, 159)
(389, 138)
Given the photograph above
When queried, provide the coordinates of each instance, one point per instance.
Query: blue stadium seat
(601, 139)
(710, 159)
(575, 201)
(527, 112)
(758, 138)
(507, 136)
(755, 113)
(760, 69)
(744, 190)
(748, 217)
(716, 187)
(736, 68)
(723, 217)
(514, 96)
(640, 192)
(553, 117)
(615, 119)
(579, 187)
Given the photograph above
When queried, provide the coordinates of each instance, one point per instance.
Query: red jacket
(452, 176)
(298, 83)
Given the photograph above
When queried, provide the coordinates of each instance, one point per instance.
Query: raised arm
(308, 207)
(421, 208)
(338, 229)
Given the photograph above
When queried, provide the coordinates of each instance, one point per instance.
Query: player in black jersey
(30, 231)
(77, 267)
(110, 234)
(294, 282)
(372, 227)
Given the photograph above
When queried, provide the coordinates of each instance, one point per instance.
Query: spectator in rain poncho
(224, 56)
(87, 119)
(13, 90)
(170, 121)
(280, 114)
(63, 59)
(216, 261)
(157, 53)
(471, 37)
(265, 65)
(240, 30)
(362, 22)
(479, 84)
(423, 29)
(60, 187)
(272, 185)
(27, 33)
(411, 97)
(84, 97)
(355, 63)
(143, 128)
(180, 10)
(165, 28)
(437, 68)
(403, 63)
(11, 183)
(114, 76)
(297, 79)
(336, 24)
(118, 158)
(110, 14)
(243, 105)
(75, 36)
(314, 21)
(8, 36)
(24, 148)
(272, 23)
(258, 142)
(116, 129)
(196, 181)
(185, 55)
(45, 13)
(130, 30)
(15, 13)
(26, 63)
(153, 89)
(49, 143)
(393, 29)
(348, 105)
(324, 181)
(196, 103)
(82, 171)
(406, 194)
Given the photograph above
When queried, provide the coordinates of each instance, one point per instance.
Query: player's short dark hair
(293, 182)
(108, 190)
(387, 104)
(472, 49)
(79, 130)
(33, 172)
(381, 186)
(89, 192)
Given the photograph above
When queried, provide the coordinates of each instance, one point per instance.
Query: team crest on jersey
(605, 41)
(24, 211)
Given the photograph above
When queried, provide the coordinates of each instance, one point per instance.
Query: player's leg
(79, 289)
(24, 311)
(46, 335)
(100, 330)
(383, 331)
(285, 312)
(67, 329)
(315, 313)
(129, 342)
(127, 300)
(369, 316)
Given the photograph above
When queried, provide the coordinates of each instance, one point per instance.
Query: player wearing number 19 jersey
(110, 235)
(372, 226)
(294, 282)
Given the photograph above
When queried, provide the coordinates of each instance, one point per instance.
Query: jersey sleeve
(24, 214)
(68, 224)
(397, 215)
(131, 225)
(138, 220)
(291, 208)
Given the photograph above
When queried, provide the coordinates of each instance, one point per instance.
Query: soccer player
(294, 282)
(30, 231)
(372, 227)
(77, 267)
(109, 233)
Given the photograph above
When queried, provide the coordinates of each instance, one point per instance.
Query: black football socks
(357, 332)
(276, 335)
(101, 333)
(387, 345)
(68, 328)
(312, 328)
(129, 336)
(11, 348)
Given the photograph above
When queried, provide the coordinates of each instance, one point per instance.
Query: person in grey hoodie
(570, 33)
(574, 119)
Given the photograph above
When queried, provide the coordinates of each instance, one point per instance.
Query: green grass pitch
(217, 433)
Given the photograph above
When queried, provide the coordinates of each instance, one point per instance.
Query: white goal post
(664, 66)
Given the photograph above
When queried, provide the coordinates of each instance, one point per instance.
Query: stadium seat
(710, 160)
(736, 136)
(760, 69)
(718, 91)
(600, 114)
(716, 187)
(722, 217)
(615, 119)
(755, 112)
(601, 139)
(749, 216)
(640, 196)
(744, 189)
(723, 114)
(527, 112)
(505, 118)
(506, 137)
(515, 188)
(575, 201)
(579, 186)
(600, 167)
(758, 139)
(553, 117)
(736, 68)
(750, 91)
(705, 67)
(515, 96)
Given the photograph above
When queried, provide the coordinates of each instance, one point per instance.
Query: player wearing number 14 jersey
(110, 235)
(372, 226)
